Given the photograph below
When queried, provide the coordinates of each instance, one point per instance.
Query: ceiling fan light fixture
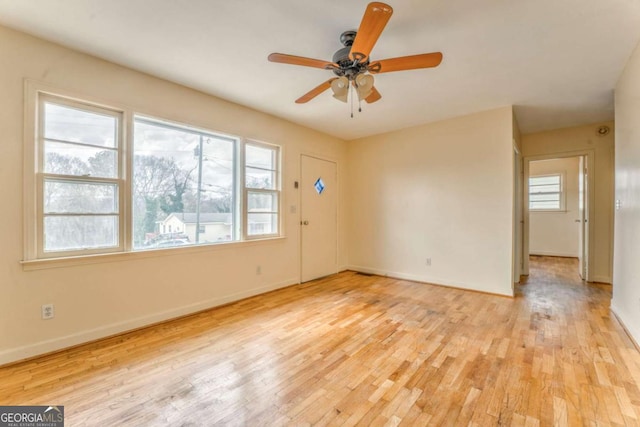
(364, 86)
(340, 88)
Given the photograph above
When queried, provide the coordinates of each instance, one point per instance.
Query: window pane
(262, 202)
(262, 223)
(64, 233)
(545, 189)
(544, 192)
(544, 205)
(544, 180)
(169, 189)
(71, 159)
(260, 157)
(75, 197)
(545, 197)
(73, 125)
(259, 178)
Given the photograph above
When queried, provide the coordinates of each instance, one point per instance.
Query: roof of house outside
(205, 218)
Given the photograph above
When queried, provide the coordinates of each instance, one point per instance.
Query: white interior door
(319, 218)
(583, 213)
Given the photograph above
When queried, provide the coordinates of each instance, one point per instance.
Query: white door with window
(319, 218)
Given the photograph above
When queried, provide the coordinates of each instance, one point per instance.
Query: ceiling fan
(352, 65)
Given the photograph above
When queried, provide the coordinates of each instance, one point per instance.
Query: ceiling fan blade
(373, 22)
(300, 60)
(315, 91)
(375, 96)
(425, 60)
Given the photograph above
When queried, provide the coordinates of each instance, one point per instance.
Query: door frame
(584, 214)
(590, 229)
(338, 212)
(518, 218)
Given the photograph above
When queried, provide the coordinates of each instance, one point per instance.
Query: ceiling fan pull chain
(351, 96)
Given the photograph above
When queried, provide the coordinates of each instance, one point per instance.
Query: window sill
(43, 264)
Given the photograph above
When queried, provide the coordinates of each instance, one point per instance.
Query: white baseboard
(423, 279)
(48, 346)
(602, 279)
(551, 253)
(627, 324)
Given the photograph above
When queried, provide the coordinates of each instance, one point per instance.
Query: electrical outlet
(47, 311)
(428, 262)
(258, 270)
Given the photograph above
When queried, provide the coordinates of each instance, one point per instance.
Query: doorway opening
(558, 191)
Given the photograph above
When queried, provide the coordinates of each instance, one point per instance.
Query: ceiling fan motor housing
(348, 67)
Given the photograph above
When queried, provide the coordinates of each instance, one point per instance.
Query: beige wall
(626, 272)
(96, 300)
(562, 142)
(556, 233)
(442, 191)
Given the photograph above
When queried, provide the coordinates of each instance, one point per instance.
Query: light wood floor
(354, 349)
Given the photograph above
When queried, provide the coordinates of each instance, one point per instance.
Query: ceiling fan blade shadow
(375, 96)
(300, 60)
(315, 91)
(373, 22)
(413, 62)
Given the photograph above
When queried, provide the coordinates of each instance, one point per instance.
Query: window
(262, 195)
(545, 193)
(184, 176)
(169, 186)
(79, 178)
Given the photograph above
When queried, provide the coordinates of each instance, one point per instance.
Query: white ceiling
(557, 61)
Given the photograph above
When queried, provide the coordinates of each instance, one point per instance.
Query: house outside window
(182, 174)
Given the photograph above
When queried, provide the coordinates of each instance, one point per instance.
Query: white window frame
(36, 159)
(561, 193)
(246, 190)
(33, 254)
(238, 163)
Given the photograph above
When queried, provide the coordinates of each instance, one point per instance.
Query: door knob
(304, 222)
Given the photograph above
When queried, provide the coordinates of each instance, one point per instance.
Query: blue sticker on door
(319, 185)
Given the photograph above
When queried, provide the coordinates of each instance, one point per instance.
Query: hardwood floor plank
(359, 350)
